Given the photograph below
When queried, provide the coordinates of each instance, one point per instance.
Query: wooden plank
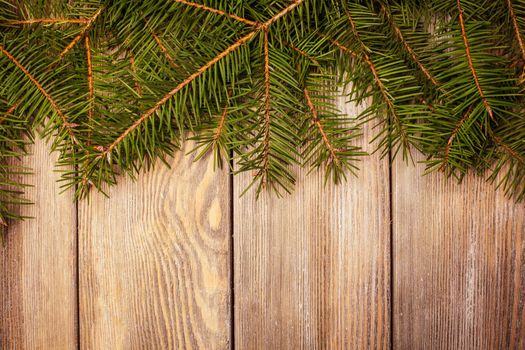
(38, 304)
(311, 270)
(458, 264)
(155, 260)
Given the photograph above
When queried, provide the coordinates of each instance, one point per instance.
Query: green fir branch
(118, 86)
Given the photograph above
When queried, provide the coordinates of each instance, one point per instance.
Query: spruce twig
(267, 115)
(317, 122)
(197, 74)
(90, 87)
(382, 88)
(516, 27)
(67, 125)
(84, 31)
(219, 12)
(470, 60)
(407, 46)
(245, 83)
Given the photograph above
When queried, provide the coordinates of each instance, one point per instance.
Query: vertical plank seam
(77, 267)
(391, 247)
(232, 256)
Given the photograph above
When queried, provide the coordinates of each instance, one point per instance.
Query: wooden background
(177, 260)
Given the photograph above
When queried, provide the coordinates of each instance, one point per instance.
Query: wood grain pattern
(38, 305)
(458, 254)
(311, 270)
(154, 261)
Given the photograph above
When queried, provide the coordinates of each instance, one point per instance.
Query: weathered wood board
(38, 288)
(312, 269)
(155, 260)
(459, 273)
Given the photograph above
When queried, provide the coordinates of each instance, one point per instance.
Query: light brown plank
(38, 265)
(311, 269)
(459, 276)
(154, 261)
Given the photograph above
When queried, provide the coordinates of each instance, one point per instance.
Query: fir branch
(215, 140)
(341, 47)
(219, 12)
(516, 28)
(91, 102)
(303, 53)
(46, 21)
(512, 161)
(84, 31)
(470, 61)
(355, 31)
(9, 111)
(382, 88)
(280, 14)
(508, 150)
(179, 87)
(220, 127)
(163, 49)
(12, 108)
(265, 95)
(317, 122)
(13, 141)
(406, 45)
(243, 40)
(453, 135)
(54, 105)
(267, 115)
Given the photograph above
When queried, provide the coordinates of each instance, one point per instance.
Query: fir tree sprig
(119, 85)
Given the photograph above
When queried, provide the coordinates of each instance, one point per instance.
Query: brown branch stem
(39, 86)
(303, 53)
(219, 12)
(9, 111)
(137, 87)
(516, 28)
(470, 61)
(90, 86)
(82, 34)
(406, 45)
(267, 109)
(453, 135)
(46, 21)
(220, 126)
(12, 108)
(506, 148)
(317, 122)
(163, 49)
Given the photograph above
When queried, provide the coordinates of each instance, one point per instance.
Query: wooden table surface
(178, 260)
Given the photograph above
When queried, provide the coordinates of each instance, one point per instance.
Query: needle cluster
(118, 85)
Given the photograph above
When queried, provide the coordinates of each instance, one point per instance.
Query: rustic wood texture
(459, 278)
(155, 260)
(312, 269)
(38, 304)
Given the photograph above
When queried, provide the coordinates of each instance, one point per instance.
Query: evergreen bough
(117, 85)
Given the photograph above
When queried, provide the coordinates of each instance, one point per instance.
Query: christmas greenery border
(117, 85)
